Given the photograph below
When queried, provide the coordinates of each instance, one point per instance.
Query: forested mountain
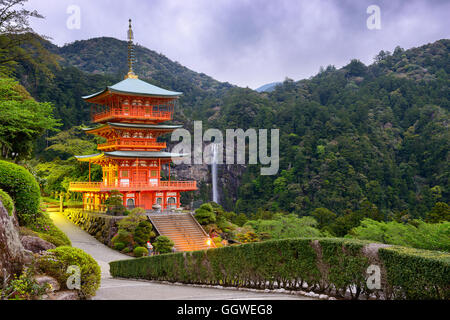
(350, 137)
(63, 74)
(377, 133)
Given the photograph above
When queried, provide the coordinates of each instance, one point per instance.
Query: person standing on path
(150, 248)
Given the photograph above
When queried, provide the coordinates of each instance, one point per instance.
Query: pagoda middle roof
(136, 126)
(131, 154)
(136, 87)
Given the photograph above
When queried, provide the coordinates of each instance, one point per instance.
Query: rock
(28, 257)
(11, 250)
(43, 279)
(36, 244)
(64, 295)
(323, 296)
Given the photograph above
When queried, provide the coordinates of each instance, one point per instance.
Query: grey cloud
(253, 42)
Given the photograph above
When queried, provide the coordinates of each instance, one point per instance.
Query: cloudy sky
(252, 42)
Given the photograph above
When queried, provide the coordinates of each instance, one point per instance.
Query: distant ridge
(269, 87)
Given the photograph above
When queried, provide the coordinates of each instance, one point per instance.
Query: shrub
(126, 250)
(119, 246)
(137, 211)
(47, 230)
(163, 244)
(56, 262)
(7, 202)
(286, 226)
(416, 234)
(330, 265)
(131, 222)
(124, 237)
(23, 287)
(205, 214)
(140, 252)
(143, 233)
(23, 189)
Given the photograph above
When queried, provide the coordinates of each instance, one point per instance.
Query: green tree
(205, 214)
(163, 244)
(143, 233)
(22, 120)
(439, 213)
(323, 216)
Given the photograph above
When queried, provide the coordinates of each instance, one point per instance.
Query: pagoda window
(154, 173)
(124, 173)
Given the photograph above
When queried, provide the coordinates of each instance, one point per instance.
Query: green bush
(126, 250)
(24, 287)
(7, 202)
(124, 237)
(205, 214)
(330, 265)
(416, 233)
(47, 230)
(163, 244)
(131, 222)
(23, 189)
(143, 233)
(119, 246)
(58, 260)
(286, 226)
(140, 252)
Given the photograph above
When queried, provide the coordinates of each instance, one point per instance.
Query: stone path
(119, 289)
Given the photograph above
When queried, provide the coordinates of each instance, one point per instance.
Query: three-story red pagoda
(130, 116)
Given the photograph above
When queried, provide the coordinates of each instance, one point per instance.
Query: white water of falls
(214, 161)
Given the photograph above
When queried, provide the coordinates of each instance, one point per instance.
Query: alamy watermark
(74, 19)
(74, 280)
(374, 278)
(373, 22)
(235, 147)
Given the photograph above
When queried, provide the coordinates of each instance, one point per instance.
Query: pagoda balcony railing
(133, 186)
(132, 112)
(132, 143)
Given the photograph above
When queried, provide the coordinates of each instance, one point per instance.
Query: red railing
(133, 186)
(132, 143)
(132, 112)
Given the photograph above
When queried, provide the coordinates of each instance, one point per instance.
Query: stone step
(182, 229)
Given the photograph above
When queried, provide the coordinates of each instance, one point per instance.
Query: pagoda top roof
(136, 87)
(144, 154)
(131, 154)
(135, 125)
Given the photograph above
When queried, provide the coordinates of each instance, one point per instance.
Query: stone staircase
(182, 229)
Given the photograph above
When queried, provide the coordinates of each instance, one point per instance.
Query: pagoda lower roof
(135, 87)
(130, 154)
(135, 126)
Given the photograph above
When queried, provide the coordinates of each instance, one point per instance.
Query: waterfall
(214, 161)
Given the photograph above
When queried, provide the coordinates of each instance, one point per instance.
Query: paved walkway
(118, 289)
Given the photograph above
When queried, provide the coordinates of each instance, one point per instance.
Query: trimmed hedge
(416, 273)
(331, 265)
(23, 189)
(8, 203)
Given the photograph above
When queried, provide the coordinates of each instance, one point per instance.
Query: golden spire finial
(131, 59)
